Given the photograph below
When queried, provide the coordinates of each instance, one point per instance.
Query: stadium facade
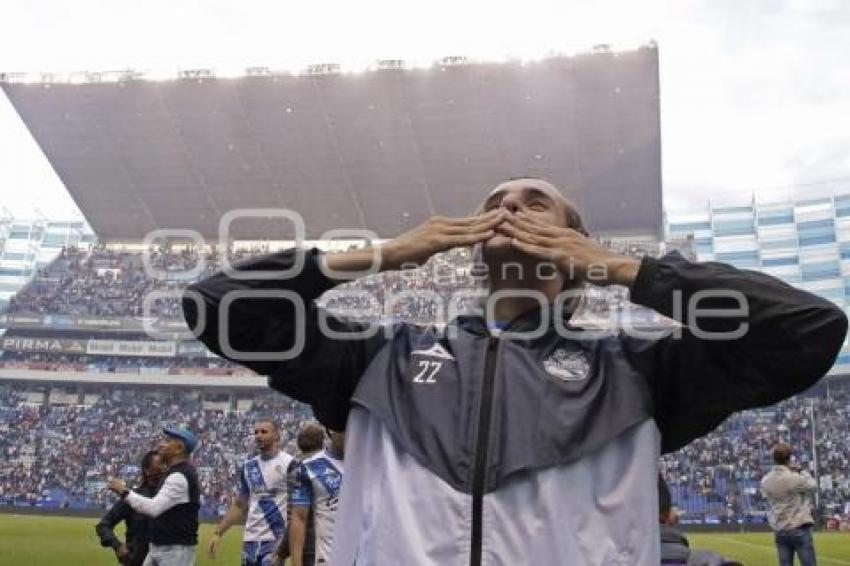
(801, 236)
(30, 244)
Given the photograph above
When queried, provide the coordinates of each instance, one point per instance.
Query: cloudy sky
(753, 94)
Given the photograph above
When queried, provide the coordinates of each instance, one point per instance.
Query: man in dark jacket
(133, 551)
(524, 422)
(675, 548)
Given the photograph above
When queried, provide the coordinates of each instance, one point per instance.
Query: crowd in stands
(112, 283)
(59, 451)
(60, 454)
(716, 478)
(427, 294)
(108, 282)
(52, 361)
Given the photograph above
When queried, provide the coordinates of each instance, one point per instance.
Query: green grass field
(756, 549)
(33, 540)
(29, 540)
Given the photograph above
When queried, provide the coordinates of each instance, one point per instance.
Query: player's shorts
(258, 553)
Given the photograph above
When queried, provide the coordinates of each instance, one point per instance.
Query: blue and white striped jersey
(263, 482)
(317, 484)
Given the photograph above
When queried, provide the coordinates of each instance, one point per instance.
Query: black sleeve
(105, 528)
(325, 372)
(791, 340)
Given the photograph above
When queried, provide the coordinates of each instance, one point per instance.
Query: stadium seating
(716, 479)
(109, 283)
(56, 454)
(57, 448)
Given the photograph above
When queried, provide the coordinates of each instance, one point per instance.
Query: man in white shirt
(788, 489)
(174, 508)
(261, 502)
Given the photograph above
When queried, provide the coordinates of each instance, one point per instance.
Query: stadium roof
(380, 150)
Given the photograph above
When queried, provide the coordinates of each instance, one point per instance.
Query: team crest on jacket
(568, 366)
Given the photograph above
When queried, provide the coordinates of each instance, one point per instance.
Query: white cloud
(753, 95)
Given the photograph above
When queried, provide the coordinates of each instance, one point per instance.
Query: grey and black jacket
(467, 447)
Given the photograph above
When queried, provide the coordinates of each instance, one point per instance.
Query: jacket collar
(529, 320)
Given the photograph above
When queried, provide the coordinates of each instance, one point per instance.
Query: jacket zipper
(482, 445)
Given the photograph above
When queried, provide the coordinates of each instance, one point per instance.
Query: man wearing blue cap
(174, 508)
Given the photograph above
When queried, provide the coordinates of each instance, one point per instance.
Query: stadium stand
(117, 364)
(59, 442)
(59, 446)
(109, 283)
(716, 479)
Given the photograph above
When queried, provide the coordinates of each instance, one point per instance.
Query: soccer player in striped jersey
(262, 498)
(317, 486)
(310, 440)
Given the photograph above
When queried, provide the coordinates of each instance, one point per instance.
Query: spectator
(675, 548)
(788, 490)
